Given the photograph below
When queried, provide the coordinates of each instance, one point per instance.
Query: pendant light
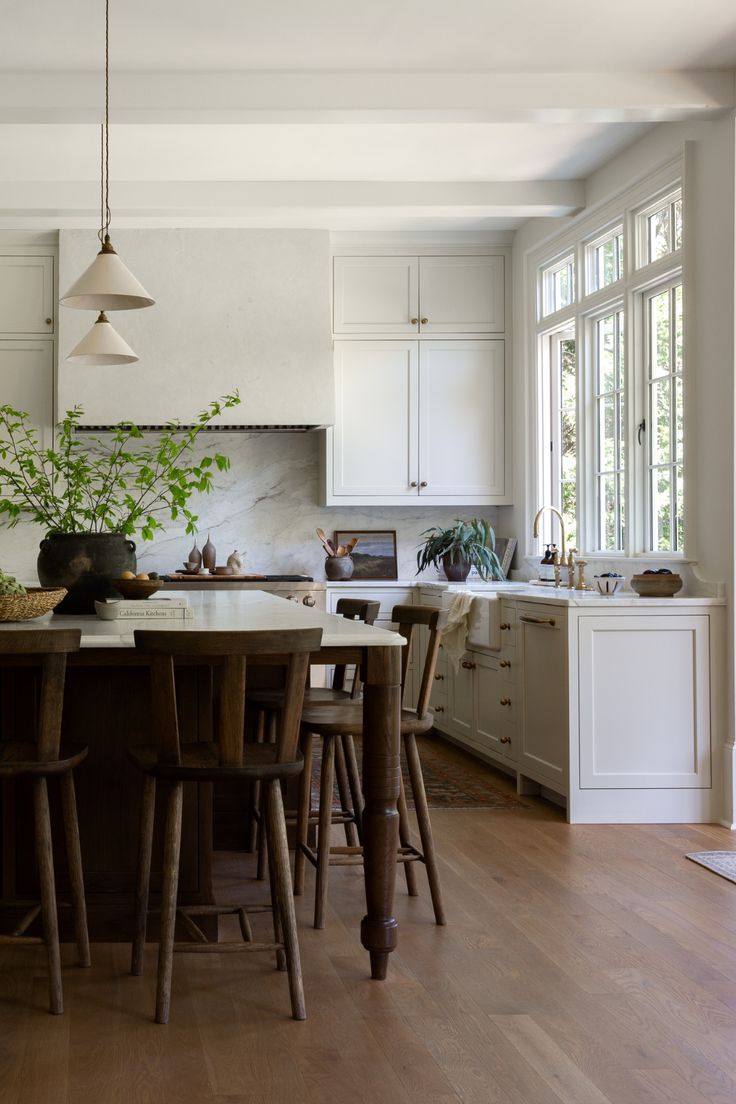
(102, 345)
(107, 284)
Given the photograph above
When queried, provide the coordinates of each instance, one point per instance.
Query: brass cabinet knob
(505, 663)
(424, 321)
(505, 740)
(439, 709)
(308, 600)
(424, 483)
(468, 665)
(414, 321)
(504, 701)
(504, 626)
(49, 321)
(413, 483)
(439, 678)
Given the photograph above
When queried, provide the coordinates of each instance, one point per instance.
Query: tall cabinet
(421, 377)
(27, 332)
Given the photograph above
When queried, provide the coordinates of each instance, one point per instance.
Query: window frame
(626, 211)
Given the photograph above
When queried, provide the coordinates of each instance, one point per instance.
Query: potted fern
(464, 545)
(91, 495)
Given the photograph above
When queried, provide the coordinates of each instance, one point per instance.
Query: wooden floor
(581, 964)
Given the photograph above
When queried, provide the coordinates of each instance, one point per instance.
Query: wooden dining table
(107, 706)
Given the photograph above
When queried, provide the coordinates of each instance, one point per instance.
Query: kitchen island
(107, 707)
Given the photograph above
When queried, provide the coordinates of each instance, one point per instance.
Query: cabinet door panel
(461, 418)
(487, 690)
(26, 295)
(644, 702)
(375, 436)
(461, 294)
(544, 736)
(376, 295)
(460, 698)
(27, 382)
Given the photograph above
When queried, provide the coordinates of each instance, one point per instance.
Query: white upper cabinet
(27, 381)
(461, 419)
(26, 295)
(419, 295)
(374, 441)
(461, 295)
(376, 295)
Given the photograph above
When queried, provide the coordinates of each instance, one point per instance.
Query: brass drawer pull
(468, 665)
(439, 678)
(504, 701)
(505, 663)
(414, 321)
(505, 625)
(538, 621)
(505, 740)
(424, 321)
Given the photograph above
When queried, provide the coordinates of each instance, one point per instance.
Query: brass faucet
(554, 510)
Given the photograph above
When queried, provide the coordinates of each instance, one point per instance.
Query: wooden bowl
(35, 603)
(656, 586)
(137, 588)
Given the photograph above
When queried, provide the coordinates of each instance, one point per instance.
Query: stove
(296, 588)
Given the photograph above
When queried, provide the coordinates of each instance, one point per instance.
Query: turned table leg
(381, 779)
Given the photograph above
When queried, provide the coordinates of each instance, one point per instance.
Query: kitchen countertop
(224, 611)
(537, 592)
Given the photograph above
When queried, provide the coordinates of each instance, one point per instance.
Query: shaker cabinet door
(462, 443)
(374, 441)
(27, 382)
(26, 295)
(376, 295)
(461, 295)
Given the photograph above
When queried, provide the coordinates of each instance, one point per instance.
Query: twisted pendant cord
(103, 232)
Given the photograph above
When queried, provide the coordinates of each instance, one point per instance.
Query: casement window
(609, 374)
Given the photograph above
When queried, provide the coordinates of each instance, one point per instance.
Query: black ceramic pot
(86, 564)
(455, 572)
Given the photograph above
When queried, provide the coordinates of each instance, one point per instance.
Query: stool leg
(45, 859)
(172, 847)
(281, 877)
(356, 791)
(343, 788)
(425, 827)
(327, 782)
(275, 911)
(76, 875)
(405, 841)
(256, 789)
(143, 875)
(302, 814)
(270, 724)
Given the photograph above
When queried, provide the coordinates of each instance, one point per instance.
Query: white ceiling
(324, 112)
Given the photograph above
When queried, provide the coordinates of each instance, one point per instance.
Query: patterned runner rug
(720, 862)
(453, 779)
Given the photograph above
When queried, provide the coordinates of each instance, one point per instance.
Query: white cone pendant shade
(107, 285)
(102, 345)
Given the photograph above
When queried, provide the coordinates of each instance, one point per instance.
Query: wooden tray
(182, 577)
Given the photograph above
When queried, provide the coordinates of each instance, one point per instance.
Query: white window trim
(624, 209)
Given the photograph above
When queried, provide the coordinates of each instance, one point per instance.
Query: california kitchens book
(151, 609)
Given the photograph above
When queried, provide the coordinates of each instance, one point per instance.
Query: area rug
(720, 862)
(453, 779)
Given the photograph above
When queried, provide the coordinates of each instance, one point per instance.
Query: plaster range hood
(245, 309)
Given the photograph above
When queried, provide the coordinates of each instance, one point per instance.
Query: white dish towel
(454, 636)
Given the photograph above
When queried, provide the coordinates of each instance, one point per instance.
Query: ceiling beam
(366, 97)
(193, 202)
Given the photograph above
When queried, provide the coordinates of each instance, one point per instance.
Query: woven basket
(22, 607)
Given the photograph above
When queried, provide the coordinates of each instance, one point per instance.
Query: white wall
(234, 308)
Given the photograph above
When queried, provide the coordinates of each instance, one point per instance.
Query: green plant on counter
(122, 484)
(9, 585)
(472, 542)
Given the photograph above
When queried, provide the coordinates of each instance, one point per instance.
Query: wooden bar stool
(42, 758)
(332, 722)
(268, 702)
(224, 759)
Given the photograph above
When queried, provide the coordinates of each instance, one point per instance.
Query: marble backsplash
(266, 505)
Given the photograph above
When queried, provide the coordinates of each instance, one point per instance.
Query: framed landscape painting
(374, 557)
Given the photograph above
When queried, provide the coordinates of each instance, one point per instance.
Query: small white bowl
(609, 585)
